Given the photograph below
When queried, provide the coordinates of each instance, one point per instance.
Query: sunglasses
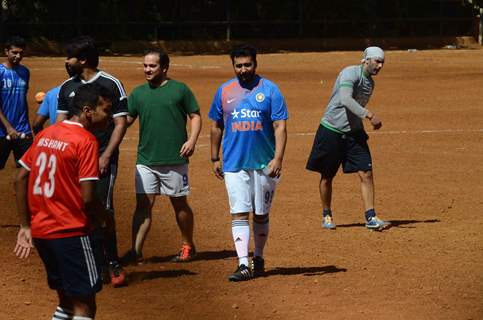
(246, 65)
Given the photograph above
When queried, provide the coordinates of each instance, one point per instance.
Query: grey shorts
(166, 180)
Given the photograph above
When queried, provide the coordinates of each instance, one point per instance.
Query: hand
(103, 164)
(376, 122)
(275, 168)
(24, 243)
(217, 170)
(12, 133)
(187, 149)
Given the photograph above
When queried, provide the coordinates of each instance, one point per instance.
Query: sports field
(428, 173)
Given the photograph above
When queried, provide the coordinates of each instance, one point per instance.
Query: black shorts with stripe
(331, 149)
(71, 265)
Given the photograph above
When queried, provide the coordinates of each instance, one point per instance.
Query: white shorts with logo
(250, 191)
(167, 180)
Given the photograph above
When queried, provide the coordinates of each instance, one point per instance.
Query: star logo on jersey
(234, 114)
(260, 97)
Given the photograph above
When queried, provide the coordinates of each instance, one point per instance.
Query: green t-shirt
(162, 113)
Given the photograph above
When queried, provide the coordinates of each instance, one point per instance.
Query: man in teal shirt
(163, 106)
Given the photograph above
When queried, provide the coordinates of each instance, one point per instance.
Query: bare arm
(120, 126)
(38, 123)
(280, 130)
(24, 236)
(216, 133)
(10, 129)
(188, 147)
(130, 120)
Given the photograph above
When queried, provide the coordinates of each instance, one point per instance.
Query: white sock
(62, 314)
(81, 318)
(260, 235)
(240, 230)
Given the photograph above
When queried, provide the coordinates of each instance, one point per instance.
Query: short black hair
(15, 41)
(83, 48)
(88, 95)
(163, 56)
(244, 50)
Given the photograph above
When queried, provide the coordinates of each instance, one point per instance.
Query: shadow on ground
(138, 276)
(394, 223)
(306, 271)
(204, 255)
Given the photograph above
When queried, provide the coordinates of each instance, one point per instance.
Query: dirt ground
(428, 173)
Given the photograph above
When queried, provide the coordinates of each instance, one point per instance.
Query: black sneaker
(258, 267)
(242, 273)
(131, 258)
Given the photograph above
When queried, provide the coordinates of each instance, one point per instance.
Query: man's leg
(325, 189)
(84, 307)
(238, 187)
(141, 222)
(260, 235)
(184, 218)
(367, 189)
(240, 229)
(65, 309)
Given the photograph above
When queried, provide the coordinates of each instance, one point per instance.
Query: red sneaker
(118, 275)
(187, 253)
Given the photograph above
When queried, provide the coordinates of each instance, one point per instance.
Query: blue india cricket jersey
(13, 98)
(248, 115)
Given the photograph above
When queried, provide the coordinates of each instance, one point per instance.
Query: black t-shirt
(118, 95)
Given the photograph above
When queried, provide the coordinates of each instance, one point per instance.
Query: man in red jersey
(56, 203)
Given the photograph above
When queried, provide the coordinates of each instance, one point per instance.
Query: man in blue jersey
(47, 110)
(15, 132)
(341, 139)
(250, 114)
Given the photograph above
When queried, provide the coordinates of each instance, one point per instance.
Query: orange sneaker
(187, 253)
(118, 275)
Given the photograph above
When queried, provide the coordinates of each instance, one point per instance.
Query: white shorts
(250, 191)
(167, 180)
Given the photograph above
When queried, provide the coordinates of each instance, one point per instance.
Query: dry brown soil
(428, 172)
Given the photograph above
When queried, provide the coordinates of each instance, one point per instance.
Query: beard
(73, 70)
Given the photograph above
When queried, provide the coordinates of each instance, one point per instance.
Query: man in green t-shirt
(163, 106)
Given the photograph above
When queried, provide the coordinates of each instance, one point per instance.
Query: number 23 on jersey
(45, 181)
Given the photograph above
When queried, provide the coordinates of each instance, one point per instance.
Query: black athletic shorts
(18, 146)
(331, 149)
(71, 265)
(105, 185)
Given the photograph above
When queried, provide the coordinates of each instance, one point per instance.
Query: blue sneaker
(377, 224)
(328, 222)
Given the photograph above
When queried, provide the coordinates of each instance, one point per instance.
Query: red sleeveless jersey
(60, 157)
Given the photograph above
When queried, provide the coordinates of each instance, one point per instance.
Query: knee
(261, 219)
(180, 204)
(143, 202)
(366, 176)
(326, 181)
